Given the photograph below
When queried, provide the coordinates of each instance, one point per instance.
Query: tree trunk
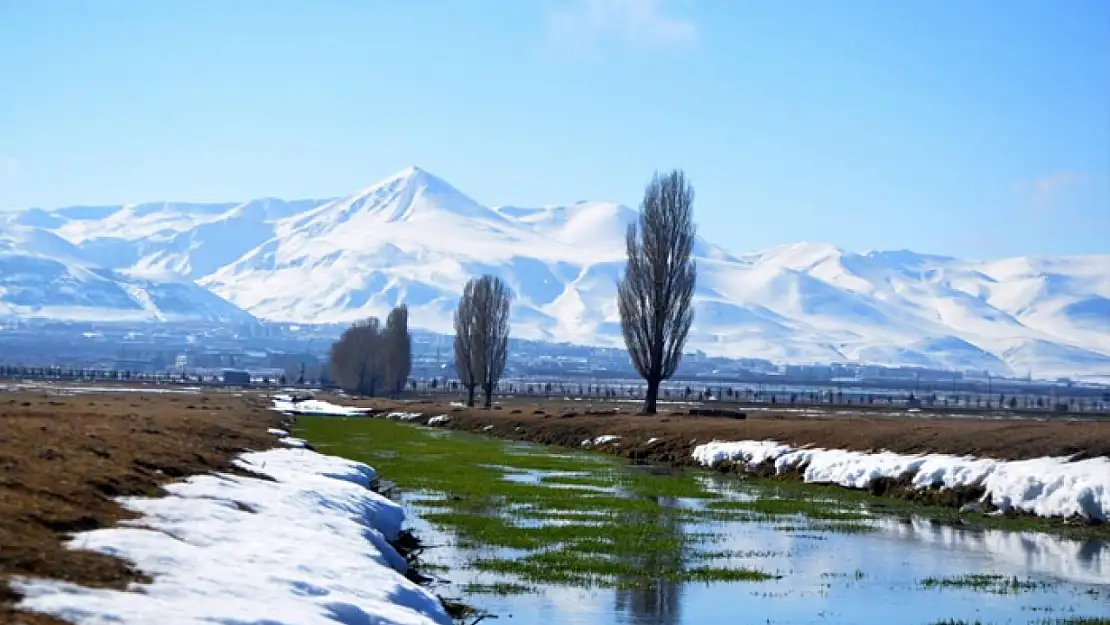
(470, 396)
(651, 396)
(489, 396)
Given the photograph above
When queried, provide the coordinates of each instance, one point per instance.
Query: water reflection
(656, 602)
(1086, 561)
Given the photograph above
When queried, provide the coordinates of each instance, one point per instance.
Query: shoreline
(671, 440)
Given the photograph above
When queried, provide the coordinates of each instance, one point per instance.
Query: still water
(904, 570)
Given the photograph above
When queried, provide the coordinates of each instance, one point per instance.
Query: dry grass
(63, 458)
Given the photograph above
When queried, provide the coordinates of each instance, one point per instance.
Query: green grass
(768, 507)
(598, 480)
(501, 589)
(544, 502)
(995, 584)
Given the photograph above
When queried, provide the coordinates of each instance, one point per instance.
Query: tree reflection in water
(654, 602)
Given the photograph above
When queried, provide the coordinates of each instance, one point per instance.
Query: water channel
(824, 556)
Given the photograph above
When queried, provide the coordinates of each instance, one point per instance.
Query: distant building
(236, 378)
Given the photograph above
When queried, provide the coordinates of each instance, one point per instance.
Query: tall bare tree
(482, 335)
(493, 297)
(655, 294)
(356, 358)
(398, 349)
(465, 316)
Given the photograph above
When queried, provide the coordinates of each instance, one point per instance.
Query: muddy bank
(64, 458)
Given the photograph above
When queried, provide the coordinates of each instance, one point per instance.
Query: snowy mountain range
(415, 238)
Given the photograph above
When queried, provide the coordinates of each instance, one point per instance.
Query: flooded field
(544, 535)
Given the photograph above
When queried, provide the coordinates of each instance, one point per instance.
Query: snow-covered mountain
(415, 238)
(44, 276)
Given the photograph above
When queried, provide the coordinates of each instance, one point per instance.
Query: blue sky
(979, 129)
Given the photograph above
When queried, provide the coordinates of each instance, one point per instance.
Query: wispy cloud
(584, 24)
(1046, 193)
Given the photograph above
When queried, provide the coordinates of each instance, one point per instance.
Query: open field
(568, 423)
(65, 454)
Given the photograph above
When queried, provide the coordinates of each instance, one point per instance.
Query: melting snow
(601, 440)
(403, 416)
(315, 407)
(310, 547)
(438, 420)
(1042, 486)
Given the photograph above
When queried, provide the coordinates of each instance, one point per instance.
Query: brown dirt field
(63, 458)
(568, 423)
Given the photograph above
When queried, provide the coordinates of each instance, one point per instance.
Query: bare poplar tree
(656, 292)
(464, 341)
(493, 298)
(482, 335)
(398, 349)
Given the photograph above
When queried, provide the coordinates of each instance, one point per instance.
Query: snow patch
(314, 407)
(310, 547)
(438, 420)
(404, 416)
(604, 439)
(1047, 487)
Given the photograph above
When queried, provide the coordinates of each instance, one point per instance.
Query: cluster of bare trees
(654, 296)
(482, 335)
(369, 359)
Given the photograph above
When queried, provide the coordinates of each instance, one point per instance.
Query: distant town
(286, 353)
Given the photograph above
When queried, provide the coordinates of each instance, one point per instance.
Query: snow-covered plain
(413, 237)
(1048, 487)
(310, 547)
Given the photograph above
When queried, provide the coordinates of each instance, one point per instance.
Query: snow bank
(315, 407)
(1046, 487)
(438, 420)
(310, 547)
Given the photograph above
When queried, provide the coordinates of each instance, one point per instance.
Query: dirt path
(569, 423)
(64, 457)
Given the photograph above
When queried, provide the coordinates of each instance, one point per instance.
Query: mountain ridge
(414, 237)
